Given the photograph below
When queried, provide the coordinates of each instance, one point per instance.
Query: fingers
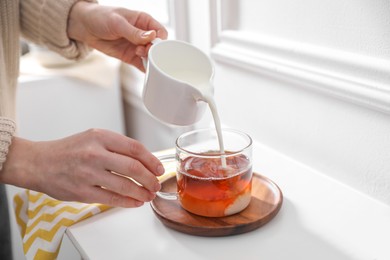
(133, 34)
(127, 157)
(123, 145)
(138, 62)
(142, 31)
(142, 50)
(116, 190)
(148, 23)
(132, 168)
(125, 186)
(81, 169)
(162, 33)
(107, 197)
(121, 191)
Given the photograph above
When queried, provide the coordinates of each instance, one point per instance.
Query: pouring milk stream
(178, 85)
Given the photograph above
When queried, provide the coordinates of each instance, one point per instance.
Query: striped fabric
(43, 220)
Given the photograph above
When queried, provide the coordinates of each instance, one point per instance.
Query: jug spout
(203, 92)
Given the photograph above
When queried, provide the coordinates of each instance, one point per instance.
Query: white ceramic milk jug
(178, 76)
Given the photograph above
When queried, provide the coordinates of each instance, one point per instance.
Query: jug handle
(144, 59)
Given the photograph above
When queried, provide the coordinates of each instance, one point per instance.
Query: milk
(206, 89)
(202, 84)
(208, 97)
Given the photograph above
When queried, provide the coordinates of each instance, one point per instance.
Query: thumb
(140, 37)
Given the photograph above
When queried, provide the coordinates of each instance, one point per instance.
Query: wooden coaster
(266, 201)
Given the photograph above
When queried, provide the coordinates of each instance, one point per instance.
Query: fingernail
(160, 170)
(146, 34)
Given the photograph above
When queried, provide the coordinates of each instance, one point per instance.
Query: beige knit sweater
(40, 21)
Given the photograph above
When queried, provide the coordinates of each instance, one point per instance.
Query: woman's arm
(46, 23)
(92, 166)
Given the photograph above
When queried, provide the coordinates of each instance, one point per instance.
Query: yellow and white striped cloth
(43, 221)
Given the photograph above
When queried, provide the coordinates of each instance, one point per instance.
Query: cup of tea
(211, 183)
(176, 75)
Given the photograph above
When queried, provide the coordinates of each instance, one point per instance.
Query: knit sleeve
(7, 131)
(45, 22)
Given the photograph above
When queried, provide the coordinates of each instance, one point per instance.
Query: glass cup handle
(164, 159)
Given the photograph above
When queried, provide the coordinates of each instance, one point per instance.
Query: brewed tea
(208, 188)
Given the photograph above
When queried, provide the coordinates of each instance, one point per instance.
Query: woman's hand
(117, 32)
(95, 166)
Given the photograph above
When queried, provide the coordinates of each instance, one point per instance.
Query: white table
(319, 219)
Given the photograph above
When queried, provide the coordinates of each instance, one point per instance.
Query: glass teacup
(207, 186)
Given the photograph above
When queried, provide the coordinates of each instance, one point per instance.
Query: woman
(79, 167)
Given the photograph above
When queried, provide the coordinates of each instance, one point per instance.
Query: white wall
(308, 78)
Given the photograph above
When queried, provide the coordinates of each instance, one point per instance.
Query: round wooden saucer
(266, 201)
